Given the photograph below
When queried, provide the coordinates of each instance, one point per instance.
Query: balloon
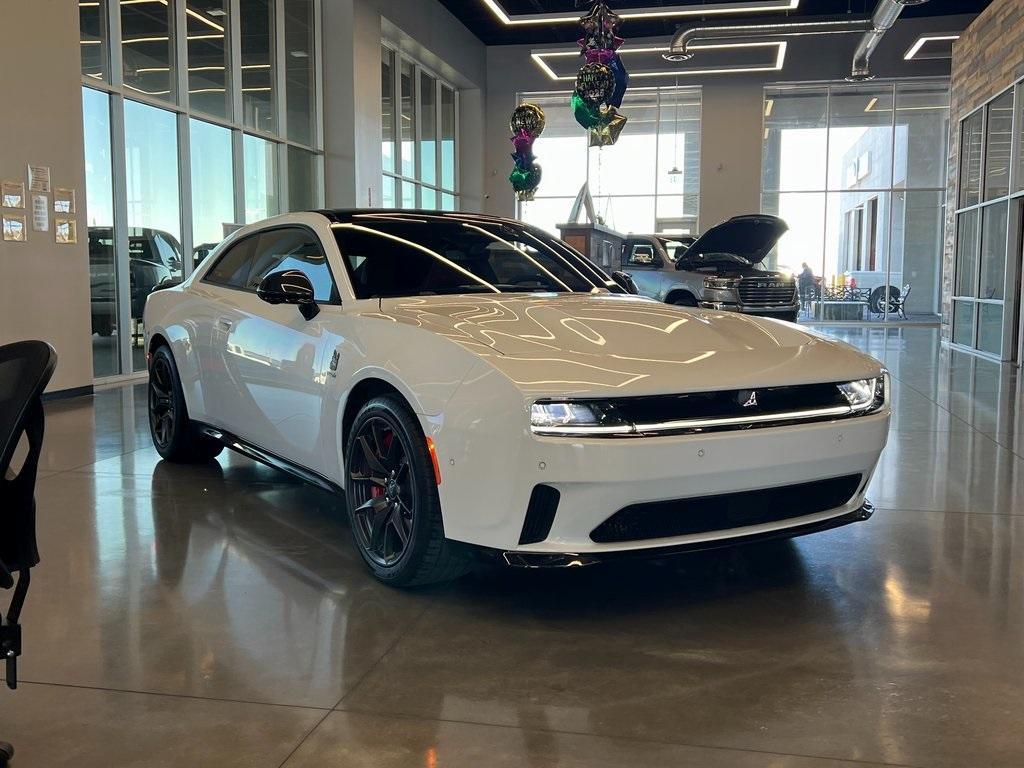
(525, 180)
(586, 115)
(522, 141)
(523, 159)
(621, 81)
(528, 118)
(601, 19)
(606, 133)
(600, 56)
(595, 83)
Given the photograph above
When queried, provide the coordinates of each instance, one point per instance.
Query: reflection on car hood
(596, 344)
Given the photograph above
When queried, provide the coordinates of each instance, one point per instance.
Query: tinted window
(284, 249)
(417, 258)
(232, 268)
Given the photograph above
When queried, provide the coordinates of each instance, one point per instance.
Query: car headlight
(720, 283)
(866, 394)
(567, 418)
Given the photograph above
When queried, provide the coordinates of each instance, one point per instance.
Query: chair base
(6, 753)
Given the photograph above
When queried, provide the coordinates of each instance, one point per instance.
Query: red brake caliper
(376, 491)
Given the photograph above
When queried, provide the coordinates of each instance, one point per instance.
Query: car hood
(605, 344)
(751, 237)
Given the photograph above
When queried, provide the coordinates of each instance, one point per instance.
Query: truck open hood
(751, 237)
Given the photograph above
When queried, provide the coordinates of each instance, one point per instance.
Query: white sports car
(473, 385)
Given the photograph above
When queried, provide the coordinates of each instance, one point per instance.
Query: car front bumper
(487, 486)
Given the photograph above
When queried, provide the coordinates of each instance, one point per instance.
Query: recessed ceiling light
(299, 54)
(669, 11)
(216, 12)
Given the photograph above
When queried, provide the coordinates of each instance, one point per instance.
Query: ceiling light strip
(781, 47)
(667, 12)
(924, 40)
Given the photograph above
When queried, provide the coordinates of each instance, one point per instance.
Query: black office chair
(25, 370)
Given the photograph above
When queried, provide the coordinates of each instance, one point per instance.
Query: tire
(102, 326)
(174, 435)
(393, 505)
(882, 298)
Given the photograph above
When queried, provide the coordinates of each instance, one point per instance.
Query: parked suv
(722, 269)
(154, 260)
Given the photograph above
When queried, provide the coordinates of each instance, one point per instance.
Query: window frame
(111, 82)
(396, 176)
(205, 277)
(1012, 343)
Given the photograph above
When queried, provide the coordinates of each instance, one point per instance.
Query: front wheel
(393, 505)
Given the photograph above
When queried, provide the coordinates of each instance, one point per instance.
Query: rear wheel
(174, 435)
(393, 505)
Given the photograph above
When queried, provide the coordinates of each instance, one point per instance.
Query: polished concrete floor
(218, 616)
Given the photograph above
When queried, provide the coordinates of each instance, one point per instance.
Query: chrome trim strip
(838, 411)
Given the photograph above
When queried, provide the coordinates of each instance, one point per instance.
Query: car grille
(681, 517)
(764, 292)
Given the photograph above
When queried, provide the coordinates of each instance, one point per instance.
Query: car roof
(349, 215)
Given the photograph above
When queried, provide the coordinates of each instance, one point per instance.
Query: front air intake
(540, 514)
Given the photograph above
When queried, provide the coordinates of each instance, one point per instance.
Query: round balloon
(528, 118)
(595, 83)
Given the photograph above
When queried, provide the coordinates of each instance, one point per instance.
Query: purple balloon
(522, 141)
(599, 56)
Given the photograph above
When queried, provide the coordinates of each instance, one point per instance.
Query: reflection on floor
(218, 616)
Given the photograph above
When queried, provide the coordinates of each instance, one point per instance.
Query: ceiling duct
(680, 50)
(882, 20)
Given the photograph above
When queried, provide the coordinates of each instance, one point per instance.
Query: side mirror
(625, 282)
(289, 287)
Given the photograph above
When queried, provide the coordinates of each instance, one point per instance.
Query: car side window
(232, 268)
(642, 256)
(294, 248)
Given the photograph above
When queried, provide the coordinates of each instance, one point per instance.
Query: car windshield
(404, 255)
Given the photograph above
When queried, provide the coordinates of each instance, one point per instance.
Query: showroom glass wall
(200, 116)
(648, 182)
(859, 174)
(990, 204)
(419, 117)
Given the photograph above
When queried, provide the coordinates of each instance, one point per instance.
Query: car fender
(424, 368)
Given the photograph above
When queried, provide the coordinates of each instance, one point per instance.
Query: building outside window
(649, 182)
(858, 173)
(195, 122)
(990, 204)
(419, 135)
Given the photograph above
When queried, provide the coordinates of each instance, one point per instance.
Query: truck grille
(764, 292)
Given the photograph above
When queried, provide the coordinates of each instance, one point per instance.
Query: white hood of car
(606, 344)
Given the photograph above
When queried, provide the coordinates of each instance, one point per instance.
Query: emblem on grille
(751, 401)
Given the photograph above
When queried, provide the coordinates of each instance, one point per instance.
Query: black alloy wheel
(161, 403)
(383, 491)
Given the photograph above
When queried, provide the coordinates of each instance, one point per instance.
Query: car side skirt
(237, 444)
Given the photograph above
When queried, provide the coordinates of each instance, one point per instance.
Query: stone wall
(987, 59)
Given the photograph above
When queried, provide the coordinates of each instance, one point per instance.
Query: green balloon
(525, 179)
(586, 115)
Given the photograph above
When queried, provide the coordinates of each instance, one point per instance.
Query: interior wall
(732, 123)
(44, 287)
(353, 30)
